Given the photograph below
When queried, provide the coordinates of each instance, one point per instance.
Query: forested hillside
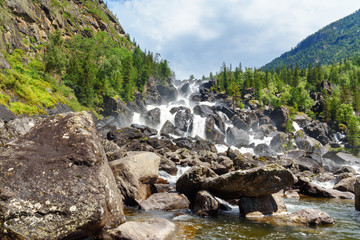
(68, 52)
(330, 93)
(329, 45)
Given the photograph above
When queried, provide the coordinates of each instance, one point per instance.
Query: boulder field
(62, 180)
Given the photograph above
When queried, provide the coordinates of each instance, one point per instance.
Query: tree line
(97, 67)
(330, 93)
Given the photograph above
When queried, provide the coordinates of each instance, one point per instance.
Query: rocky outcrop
(168, 93)
(154, 228)
(254, 182)
(165, 201)
(134, 174)
(58, 182)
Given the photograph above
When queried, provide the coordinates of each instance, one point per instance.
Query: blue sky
(197, 36)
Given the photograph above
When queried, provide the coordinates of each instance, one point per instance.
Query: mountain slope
(332, 43)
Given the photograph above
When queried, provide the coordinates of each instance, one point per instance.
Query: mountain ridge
(330, 44)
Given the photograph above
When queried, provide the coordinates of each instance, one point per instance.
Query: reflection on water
(228, 225)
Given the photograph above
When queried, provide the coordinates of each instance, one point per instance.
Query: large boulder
(306, 187)
(145, 129)
(134, 174)
(319, 131)
(165, 201)
(281, 142)
(240, 123)
(235, 136)
(280, 116)
(191, 181)
(306, 143)
(261, 205)
(167, 128)
(205, 204)
(300, 161)
(58, 182)
(168, 93)
(346, 185)
(154, 228)
(152, 117)
(184, 120)
(254, 182)
(211, 132)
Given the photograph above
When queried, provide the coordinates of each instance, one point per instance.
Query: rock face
(58, 182)
(280, 116)
(134, 174)
(165, 202)
(154, 228)
(254, 182)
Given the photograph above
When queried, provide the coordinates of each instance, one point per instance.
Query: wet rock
(152, 117)
(280, 116)
(168, 93)
(240, 124)
(58, 180)
(237, 136)
(184, 89)
(145, 129)
(205, 204)
(346, 185)
(265, 129)
(345, 169)
(302, 120)
(154, 228)
(184, 120)
(264, 150)
(230, 113)
(203, 110)
(281, 142)
(261, 205)
(254, 182)
(167, 128)
(310, 189)
(191, 181)
(165, 202)
(308, 217)
(305, 142)
(184, 143)
(134, 174)
(319, 131)
(357, 194)
(211, 132)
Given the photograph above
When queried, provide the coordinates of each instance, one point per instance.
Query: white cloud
(196, 36)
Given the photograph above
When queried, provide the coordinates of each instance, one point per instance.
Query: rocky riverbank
(63, 180)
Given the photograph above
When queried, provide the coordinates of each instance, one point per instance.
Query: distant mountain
(332, 43)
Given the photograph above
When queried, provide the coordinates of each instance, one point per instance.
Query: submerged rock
(309, 217)
(165, 201)
(58, 182)
(154, 228)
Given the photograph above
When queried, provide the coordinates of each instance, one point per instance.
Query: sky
(197, 36)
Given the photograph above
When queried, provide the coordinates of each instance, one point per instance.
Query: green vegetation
(330, 93)
(329, 45)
